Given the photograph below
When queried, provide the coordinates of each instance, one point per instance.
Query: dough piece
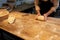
(11, 19)
(3, 12)
(40, 18)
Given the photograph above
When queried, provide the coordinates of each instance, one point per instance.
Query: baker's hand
(45, 17)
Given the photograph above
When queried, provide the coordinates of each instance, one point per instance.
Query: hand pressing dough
(11, 19)
(40, 18)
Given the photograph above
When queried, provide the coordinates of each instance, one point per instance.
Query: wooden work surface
(26, 27)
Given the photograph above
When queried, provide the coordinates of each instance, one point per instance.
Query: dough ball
(41, 18)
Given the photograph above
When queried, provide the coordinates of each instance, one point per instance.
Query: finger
(45, 18)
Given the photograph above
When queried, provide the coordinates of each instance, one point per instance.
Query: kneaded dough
(40, 18)
(11, 19)
(3, 12)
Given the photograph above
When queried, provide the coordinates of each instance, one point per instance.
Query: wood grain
(26, 27)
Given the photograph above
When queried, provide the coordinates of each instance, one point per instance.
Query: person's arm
(55, 6)
(37, 8)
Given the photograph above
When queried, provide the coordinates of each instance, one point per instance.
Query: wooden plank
(26, 27)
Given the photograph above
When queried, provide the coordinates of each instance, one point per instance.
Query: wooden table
(26, 27)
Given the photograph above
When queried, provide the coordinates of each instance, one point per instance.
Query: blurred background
(26, 6)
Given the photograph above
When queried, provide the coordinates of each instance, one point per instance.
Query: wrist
(45, 14)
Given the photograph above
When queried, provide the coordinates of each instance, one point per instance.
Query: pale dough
(3, 12)
(40, 18)
(11, 19)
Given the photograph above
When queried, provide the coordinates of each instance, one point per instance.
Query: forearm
(37, 8)
(53, 9)
(36, 2)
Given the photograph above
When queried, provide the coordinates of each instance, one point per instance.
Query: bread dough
(40, 18)
(3, 12)
(11, 19)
